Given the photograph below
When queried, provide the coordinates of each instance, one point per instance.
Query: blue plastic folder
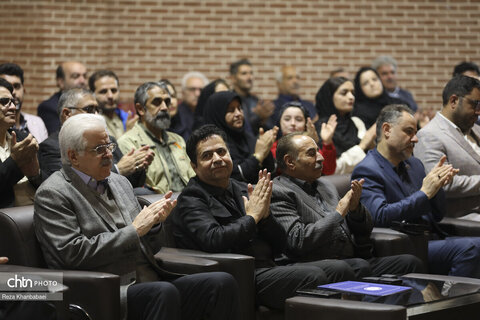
(373, 289)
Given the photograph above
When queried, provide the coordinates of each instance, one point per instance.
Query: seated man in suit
(396, 189)
(454, 134)
(318, 224)
(78, 101)
(218, 214)
(19, 168)
(87, 218)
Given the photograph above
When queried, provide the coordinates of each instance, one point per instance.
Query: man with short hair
(469, 69)
(87, 218)
(320, 225)
(69, 74)
(25, 122)
(257, 112)
(288, 83)
(454, 134)
(397, 189)
(192, 84)
(19, 168)
(79, 101)
(387, 67)
(105, 86)
(218, 214)
(170, 169)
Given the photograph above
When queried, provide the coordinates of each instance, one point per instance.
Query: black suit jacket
(47, 110)
(203, 220)
(50, 160)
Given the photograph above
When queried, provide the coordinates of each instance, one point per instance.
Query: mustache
(162, 115)
(106, 162)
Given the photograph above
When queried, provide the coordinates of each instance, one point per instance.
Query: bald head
(288, 81)
(71, 74)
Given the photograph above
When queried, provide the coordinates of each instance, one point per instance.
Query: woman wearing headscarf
(351, 139)
(217, 85)
(370, 96)
(249, 155)
(293, 117)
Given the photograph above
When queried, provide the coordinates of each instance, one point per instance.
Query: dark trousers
(455, 256)
(212, 295)
(274, 285)
(398, 264)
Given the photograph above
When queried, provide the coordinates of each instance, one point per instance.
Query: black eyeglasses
(6, 101)
(88, 109)
(475, 103)
(102, 149)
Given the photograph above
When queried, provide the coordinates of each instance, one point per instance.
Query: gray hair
(383, 60)
(194, 74)
(390, 114)
(70, 98)
(141, 94)
(72, 131)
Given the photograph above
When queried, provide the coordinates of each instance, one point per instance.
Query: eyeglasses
(6, 101)
(475, 103)
(102, 149)
(88, 109)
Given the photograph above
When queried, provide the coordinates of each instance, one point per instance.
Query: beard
(160, 122)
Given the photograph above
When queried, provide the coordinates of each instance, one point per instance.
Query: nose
(414, 139)
(216, 157)
(109, 94)
(319, 156)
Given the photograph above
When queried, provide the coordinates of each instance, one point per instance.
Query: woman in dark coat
(249, 155)
(217, 85)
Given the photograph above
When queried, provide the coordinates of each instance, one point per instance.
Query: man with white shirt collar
(453, 133)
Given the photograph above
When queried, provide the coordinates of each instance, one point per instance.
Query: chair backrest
(340, 181)
(17, 237)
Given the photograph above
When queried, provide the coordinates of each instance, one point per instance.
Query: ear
(140, 110)
(453, 101)
(289, 162)
(60, 83)
(73, 156)
(66, 113)
(386, 129)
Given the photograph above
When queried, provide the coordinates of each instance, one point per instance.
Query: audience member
(87, 218)
(351, 139)
(396, 189)
(219, 214)
(173, 107)
(105, 85)
(387, 67)
(192, 85)
(28, 123)
(170, 168)
(19, 168)
(249, 154)
(70, 74)
(465, 68)
(76, 101)
(214, 86)
(294, 118)
(454, 134)
(340, 72)
(320, 225)
(257, 112)
(370, 96)
(288, 84)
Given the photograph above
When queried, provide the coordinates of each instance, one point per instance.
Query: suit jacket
(47, 110)
(315, 232)
(389, 198)
(202, 220)
(75, 233)
(50, 159)
(439, 138)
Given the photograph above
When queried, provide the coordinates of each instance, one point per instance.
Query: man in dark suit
(219, 214)
(78, 101)
(454, 134)
(396, 189)
(88, 218)
(19, 167)
(318, 224)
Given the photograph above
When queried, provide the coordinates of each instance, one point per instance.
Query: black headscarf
(206, 92)
(294, 104)
(214, 113)
(346, 133)
(366, 108)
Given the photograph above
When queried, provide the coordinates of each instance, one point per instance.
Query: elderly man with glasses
(454, 134)
(170, 169)
(132, 164)
(19, 168)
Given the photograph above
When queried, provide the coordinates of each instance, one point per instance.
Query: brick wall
(147, 40)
